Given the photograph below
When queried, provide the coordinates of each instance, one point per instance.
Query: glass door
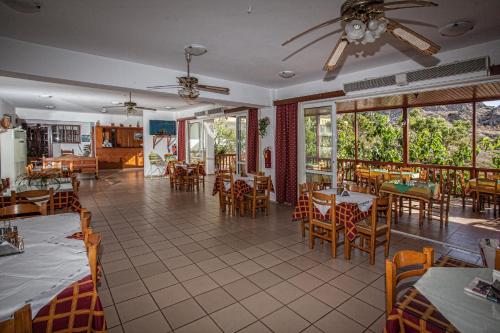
(196, 144)
(319, 144)
(241, 139)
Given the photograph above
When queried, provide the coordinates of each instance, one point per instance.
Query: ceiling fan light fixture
(104, 110)
(188, 93)
(287, 74)
(195, 49)
(355, 30)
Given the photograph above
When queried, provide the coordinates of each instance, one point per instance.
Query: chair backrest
(321, 199)
(261, 183)
(85, 218)
(379, 204)
(67, 152)
(305, 188)
(402, 259)
(359, 188)
(75, 184)
(36, 197)
(226, 178)
(395, 175)
(94, 241)
(21, 323)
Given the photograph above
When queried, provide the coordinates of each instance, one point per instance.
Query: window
(488, 134)
(346, 144)
(441, 134)
(195, 142)
(380, 135)
(66, 133)
(318, 137)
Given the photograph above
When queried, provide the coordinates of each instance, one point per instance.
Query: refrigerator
(13, 154)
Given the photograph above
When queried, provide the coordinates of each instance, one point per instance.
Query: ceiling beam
(307, 98)
(238, 109)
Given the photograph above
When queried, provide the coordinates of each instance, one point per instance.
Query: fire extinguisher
(267, 158)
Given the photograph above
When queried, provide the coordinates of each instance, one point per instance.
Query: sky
(492, 103)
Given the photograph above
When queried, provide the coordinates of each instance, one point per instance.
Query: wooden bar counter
(119, 147)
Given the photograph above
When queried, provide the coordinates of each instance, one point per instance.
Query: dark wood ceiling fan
(365, 21)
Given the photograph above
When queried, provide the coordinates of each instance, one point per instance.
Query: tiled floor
(173, 262)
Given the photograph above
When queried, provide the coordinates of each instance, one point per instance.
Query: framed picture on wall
(138, 136)
(85, 138)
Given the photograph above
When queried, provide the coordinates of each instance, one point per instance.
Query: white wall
(161, 148)
(268, 141)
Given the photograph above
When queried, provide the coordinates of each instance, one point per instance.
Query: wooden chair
(486, 189)
(35, 197)
(21, 323)
(259, 197)
(192, 178)
(306, 189)
(94, 244)
(85, 218)
(444, 203)
(75, 184)
(67, 152)
(325, 230)
(361, 188)
(201, 166)
(22, 210)
(403, 259)
(369, 231)
(227, 199)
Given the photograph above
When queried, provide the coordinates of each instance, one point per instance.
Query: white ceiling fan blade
(336, 55)
(114, 106)
(417, 41)
(144, 108)
(214, 89)
(169, 86)
(319, 26)
(395, 5)
(311, 43)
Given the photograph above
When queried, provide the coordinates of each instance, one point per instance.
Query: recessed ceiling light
(45, 96)
(195, 49)
(115, 102)
(168, 107)
(287, 74)
(50, 107)
(104, 110)
(456, 28)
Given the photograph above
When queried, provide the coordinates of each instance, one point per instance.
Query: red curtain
(286, 153)
(181, 140)
(253, 140)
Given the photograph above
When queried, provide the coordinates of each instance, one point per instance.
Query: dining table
(51, 274)
(386, 173)
(242, 185)
(438, 302)
(423, 192)
(350, 209)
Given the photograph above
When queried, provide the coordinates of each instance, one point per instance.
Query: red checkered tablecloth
(413, 313)
(240, 188)
(346, 213)
(76, 309)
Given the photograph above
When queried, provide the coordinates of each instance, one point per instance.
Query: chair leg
(387, 243)
(254, 208)
(303, 227)
(311, 236)
(373, 240)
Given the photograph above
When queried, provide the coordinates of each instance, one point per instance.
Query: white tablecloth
(246, 179)
(63, 187)
(363, 200)
(444, 288)
(50, 263)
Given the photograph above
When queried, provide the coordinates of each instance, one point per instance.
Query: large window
(346, 144)
(441, 134)
(488, 134)
(380, 136)
(318, 135)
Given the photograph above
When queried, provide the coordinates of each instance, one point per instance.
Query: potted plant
(263, 125)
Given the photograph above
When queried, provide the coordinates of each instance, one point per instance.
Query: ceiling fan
(365, 21)
(24, 6)
(188, 86)
(130, 107)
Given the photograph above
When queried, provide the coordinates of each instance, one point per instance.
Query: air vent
(461, 70)
(200, 113)
(456, 68)
(20, 135)
(379, 82)
(215, 111)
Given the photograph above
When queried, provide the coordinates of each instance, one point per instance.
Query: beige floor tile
(312, 329)
(116, 266)
(144, 259)
(199, 285)
(362, 274)
(220, 250)
(151, 269)
(177, 262)
(121, 277)
(203, 325)
(252, 252)
(111, 316)
(183, 313)
(136, 251)
(160, 281)
(284, 254)
(265, 279)
(309, 308)
(168, 253)
(233, 318)
(256, 327)
(379, 324)
(270, 246)
(135, 308)
(199, 256)
(285, 321)
(233, 258)
(128, 291)
(113, 256)
(170, 295)
(306, 282)
(225, 276)
(302, 263)
(241, 288)
(330, 295)
(323, 272)
(248, 267)
(151, 323)
(190, 247)
(261, 304)
(285, 270)
(360, 311)
(339, 265)
(187, 272)
(379, 283)
(211, 265)
(347, 284)
(336, 322)
(373, 297)
(267, 260)
(285, 292)
(105, 297)
(116, 329)
(215, 300)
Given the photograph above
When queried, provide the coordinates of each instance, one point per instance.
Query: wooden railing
(458, 176)
(225, 161)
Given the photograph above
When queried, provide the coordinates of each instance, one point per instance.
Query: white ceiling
(26, 94)
(242, 47)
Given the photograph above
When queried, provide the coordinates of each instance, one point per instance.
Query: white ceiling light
(45, 96)
(104, 110)
(50, 107)
(456, 28)
(116, 103)
(195, 49)
(169, 108)
(287, 74)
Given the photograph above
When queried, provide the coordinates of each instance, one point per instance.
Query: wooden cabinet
(119, 147)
